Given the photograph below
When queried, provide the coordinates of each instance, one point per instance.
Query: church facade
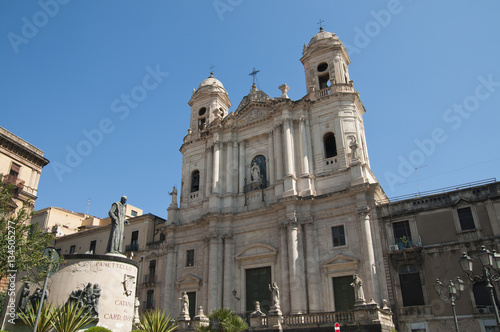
(277, 191)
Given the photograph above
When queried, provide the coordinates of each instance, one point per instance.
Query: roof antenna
(254, 74)
(320, 25)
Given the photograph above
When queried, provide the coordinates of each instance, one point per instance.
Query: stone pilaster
(214, 241)
(289, 165)
(216, 169)
(228, 299)
(312, 265)
(271, 157)
(208, 172)
(296, 268)
(369, 261)
(304, 157)
(170, 276)
(229, 171)
(241, 180)
(278, 152)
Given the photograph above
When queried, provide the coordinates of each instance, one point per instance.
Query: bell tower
(208, 103)
(325, 61)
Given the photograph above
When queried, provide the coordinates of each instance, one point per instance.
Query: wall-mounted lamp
(234, 294)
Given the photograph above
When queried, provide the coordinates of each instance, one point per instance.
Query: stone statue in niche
(255, 172)
(117, 215)
(359, 295)
(258, 173)
(353, 145)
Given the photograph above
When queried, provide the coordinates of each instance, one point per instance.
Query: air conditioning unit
(487, 309)
(393, 247)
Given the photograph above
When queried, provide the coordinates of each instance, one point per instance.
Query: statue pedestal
(116, 277)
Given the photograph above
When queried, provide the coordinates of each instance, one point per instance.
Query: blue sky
(428, 74)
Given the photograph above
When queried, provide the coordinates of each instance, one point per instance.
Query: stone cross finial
(284, 89)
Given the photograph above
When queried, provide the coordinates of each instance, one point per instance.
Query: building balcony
(418, 311)
(334, 88)
(154, 244)
(149, 279)
(14, 180)
(132, 247)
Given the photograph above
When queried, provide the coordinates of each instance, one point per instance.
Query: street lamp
(454, 292)
(490, 261)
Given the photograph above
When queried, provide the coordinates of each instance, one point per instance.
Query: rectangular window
(150, 304)
(152, 271)
(338, 235)
(72, 249)
(190, 257)
(134, 213)
(466, 219)
(135, 238)
(402, 234)
(14, 170)
(92, 246)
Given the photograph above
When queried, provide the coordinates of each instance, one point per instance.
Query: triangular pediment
(256, 251)
(461, 201)
(189, 281)
(341, 262)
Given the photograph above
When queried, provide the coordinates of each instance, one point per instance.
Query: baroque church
(280, 192)
(277, 191)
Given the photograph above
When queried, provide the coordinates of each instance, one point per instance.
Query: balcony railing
(132, 247)
(149, 278)
(14, 180)
(154, 244)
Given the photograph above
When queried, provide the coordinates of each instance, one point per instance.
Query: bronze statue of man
(117, 215)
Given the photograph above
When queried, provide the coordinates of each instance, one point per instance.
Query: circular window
(322, 67)
(202, 111)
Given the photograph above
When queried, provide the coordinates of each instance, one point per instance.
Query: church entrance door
(257, 288)
(343, 293)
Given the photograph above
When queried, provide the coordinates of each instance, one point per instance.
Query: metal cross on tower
(320, 24)
(254, 74)
(212, 69)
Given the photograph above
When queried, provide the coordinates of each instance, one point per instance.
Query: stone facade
(425, 237)
(280, 188)
(21, 165)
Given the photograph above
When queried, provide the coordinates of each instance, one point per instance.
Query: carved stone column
(298, 299)
(242, 167)
(229, 171)
(303, 148)
(170, 297)
(278, 152)
(369, 262)
(290, 165)
(271, 158)
(285, 275)
(313, 279)
(213, 240)
(228, 282)
(208, 172)
(216, 169)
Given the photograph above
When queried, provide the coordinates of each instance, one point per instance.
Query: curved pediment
(256, 251)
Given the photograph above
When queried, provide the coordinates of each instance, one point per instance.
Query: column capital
(363, 210)
(211, 236)
(290, 220)
(169, 245)
(227, 235)
(306, 220)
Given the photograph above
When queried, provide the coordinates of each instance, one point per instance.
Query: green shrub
(98, 329)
